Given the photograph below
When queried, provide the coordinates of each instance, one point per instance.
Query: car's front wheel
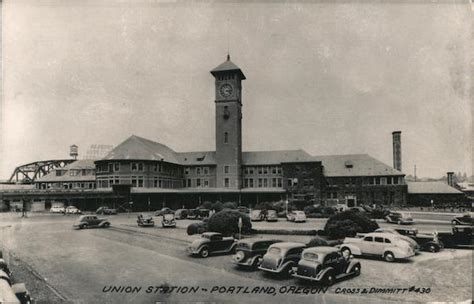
(453, 222)
(329, 281)
(82, 226)
(204, 252)
(106, 225)
(433, 248)
(389, 256)
(356, 270)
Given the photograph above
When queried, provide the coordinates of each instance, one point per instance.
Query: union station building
(149, 172)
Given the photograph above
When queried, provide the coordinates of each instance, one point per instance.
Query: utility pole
(415, 173)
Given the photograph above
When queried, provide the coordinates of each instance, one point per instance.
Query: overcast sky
(327, 78)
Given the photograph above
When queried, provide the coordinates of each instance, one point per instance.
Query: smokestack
(397, 150)
(450, 179)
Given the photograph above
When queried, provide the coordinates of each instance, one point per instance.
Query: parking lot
(81, 266)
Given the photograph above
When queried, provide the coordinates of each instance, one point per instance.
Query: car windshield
(299, 212)
(256, 212)
(169, 216)
(271, 212)
(274, 251)
(311, 256)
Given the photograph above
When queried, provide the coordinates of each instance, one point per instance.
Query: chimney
(450, 178)
(397, 150)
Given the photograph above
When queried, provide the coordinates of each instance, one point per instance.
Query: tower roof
(227, 66)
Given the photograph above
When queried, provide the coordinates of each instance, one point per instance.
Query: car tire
(106, 225)
(204, 253)
(433, 248)
(82, 226)
(453, 222)
(389, 256)
(329, 279)
(356, 270)
(399, 222)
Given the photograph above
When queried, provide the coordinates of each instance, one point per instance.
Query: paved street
(81, 264)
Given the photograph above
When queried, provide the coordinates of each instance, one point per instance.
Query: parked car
(257, 215)
(386, 245)
(412, 242)
(181, 214)
(57, 209)
(163, 211)
(466, 219)
(249, 252)
(212, 242)
(326, 265)
(106, 210)
(72, 210)
(168, 220)
(272, 216)
(145, 220)
(296, 216)
(91, 221)
(192, 214)
(462, 236)
(282, 257)
(203, 213)
(400, 218)
(426, 241)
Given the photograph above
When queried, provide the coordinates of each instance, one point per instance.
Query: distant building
(422, 193)
(77, 175)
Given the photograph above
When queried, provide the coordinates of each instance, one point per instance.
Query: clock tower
(228, 91)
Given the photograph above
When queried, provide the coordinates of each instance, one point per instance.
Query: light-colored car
(387, 245)
(73, 210)
(282, 257)
(168, 220)
(412, 242)
(296, 216)
(56, 209)
(272, 216)
(257, 215)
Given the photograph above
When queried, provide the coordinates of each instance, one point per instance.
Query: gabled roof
(354, 165)
(431, 188)
(274, 157)
(227, 66)
(66, 177)
(138, 148)
(197, 158)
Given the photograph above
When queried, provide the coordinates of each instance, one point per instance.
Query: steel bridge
(28, 173)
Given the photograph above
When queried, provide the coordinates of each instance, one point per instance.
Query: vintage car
(203, 213)
(296, 216)
(326, 265)
(212, 242)
(90, 221)
(72, 210)
(181, 214)
(168, 220)
(282, 257)
(410, 240)
(257, 215)
(193, 214)
(272, 216)
(426, 241)
(57, 209)
(466, 219)
(145, 220)
(163, 211)
(106, 210)
(386, 245)
(249, 252)
(462, 236)
(400, 218)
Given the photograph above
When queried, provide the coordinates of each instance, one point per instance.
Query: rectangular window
(134, 166)
(226, 182)
(198, 170)
(226, 169)
(260, 170)
(186, 170)
(395, 180)
(134, 181)
(116, 180)
(116, 167)
(265, 182)
(389, 180)
(160, 183)
(265, 170)
(274, 182)
(155, 182)
(246, 182)
(377, 180)
(274, 170)
(279, 182)
(198, 182)
(140, 166)
(279, 170)
(111, 167)
(260, 182)
(251, 183)
(226, 137)
(189, 182)
(206, 170)
(251, 170)
(290, 182)
(246, 170)
(206, 182)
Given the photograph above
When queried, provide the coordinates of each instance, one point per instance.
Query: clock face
(226, 90)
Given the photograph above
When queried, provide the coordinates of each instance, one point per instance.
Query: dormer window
(348, 164)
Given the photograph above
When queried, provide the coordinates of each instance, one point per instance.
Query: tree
(226, 222)
(217, 206)
(229, 205)
(206, 205)
(348, 224)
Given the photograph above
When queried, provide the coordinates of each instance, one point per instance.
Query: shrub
(379, 213)
(226, 222)
(328, 211)
(217, 206)
(229, 205)
(317, 241)
(310, 209)
(196, 228)
(349, 223)
(206, 205)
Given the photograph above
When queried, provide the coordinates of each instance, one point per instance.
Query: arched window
(226, 137)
